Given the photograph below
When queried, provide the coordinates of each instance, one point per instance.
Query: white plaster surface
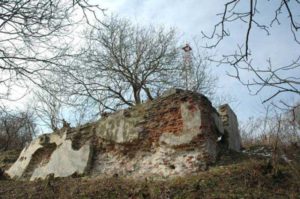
(191, 124)
(64, 161)
(20, 166)
(118, 128)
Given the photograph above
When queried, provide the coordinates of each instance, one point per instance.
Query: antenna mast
(187, 65)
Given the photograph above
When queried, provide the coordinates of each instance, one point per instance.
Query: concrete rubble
(176, 134)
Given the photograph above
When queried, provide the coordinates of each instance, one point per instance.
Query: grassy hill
(235, 175)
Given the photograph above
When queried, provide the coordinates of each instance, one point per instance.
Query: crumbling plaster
(175, 134)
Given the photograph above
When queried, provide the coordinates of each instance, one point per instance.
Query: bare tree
(53, 109)
(29, 35)
(270, 128)
(48, 108)
(123, 64)
(248, 13)
(16, 128)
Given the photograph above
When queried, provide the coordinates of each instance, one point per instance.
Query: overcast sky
(190, 17)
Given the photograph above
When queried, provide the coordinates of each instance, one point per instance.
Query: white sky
(190, 17)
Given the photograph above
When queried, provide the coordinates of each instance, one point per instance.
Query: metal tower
(187, 66)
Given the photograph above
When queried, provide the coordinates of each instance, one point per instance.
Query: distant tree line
(16, 129)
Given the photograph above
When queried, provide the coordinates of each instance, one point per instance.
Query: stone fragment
(37, 161)
(230, 124)
(64, 161)
(118, 128)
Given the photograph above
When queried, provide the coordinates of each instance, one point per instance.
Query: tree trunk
(147, 91)
(136, 94)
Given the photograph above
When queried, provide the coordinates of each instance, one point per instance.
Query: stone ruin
(296, 115)
(176, 134)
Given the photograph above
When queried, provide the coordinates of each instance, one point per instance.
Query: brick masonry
(175, 134)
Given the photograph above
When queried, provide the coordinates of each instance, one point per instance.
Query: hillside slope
(235, 175)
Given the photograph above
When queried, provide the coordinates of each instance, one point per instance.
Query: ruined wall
(230, 125)
(296, 113)
(175, 134)
(50, 153)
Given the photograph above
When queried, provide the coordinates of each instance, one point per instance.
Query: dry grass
(236, 175)
(7, 158)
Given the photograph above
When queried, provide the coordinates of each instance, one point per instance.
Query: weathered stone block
(35, 161)
(64, 161)
(119, 128)
(230, 124)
